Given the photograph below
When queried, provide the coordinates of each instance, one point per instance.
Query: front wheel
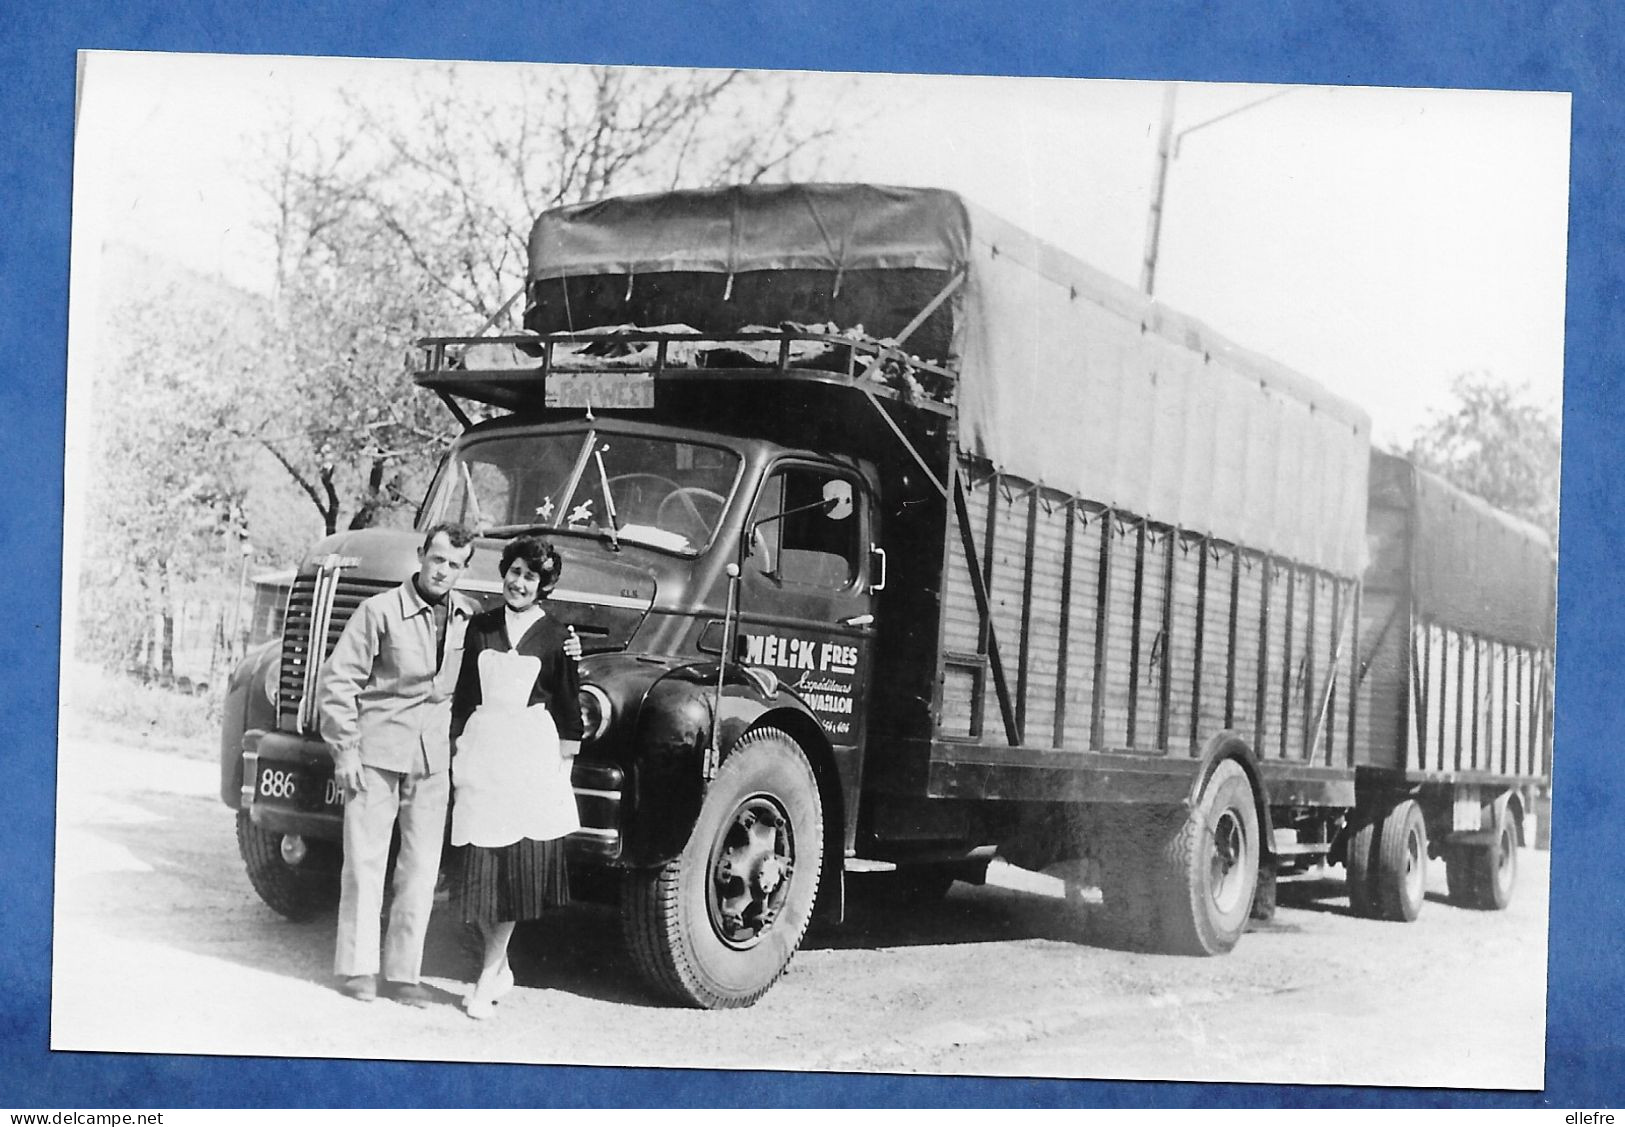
(1210, 867)
(299, 879)
(716, 926)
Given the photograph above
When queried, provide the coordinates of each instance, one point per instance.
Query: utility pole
(1168, 143)
(1159, 191)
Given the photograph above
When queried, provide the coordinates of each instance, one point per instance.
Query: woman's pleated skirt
(513, 882)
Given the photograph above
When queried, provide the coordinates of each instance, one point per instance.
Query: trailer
(899, 540)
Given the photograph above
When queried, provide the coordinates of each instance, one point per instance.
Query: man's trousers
(418, 802)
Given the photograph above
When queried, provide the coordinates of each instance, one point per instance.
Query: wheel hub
(1227, 860)
(750, 872)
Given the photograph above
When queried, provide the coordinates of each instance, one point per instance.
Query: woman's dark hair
(538, 555)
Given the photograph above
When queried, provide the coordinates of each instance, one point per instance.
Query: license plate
(304, 790)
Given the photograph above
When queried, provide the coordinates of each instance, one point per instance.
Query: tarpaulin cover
(1066, 376)
(1473, 567)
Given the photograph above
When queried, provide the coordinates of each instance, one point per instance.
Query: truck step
(869, 865)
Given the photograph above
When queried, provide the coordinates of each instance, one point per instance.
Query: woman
(516, 728)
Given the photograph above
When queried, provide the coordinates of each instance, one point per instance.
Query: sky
(1381, 241)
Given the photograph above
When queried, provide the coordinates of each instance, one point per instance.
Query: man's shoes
(413, 994)
(361, 987)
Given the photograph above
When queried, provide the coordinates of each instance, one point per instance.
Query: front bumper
(288, 788)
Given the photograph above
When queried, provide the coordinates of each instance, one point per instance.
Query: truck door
(805, 606)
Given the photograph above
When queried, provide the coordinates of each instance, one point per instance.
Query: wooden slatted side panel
(1186, 593)
(1006, 590)
(1480, 705)
(1489, 700)
(1342, 718)
(1215, 655)
(1120, 657)
(1321, 682)
(1428, 736)
(1374, 733)
(1249, 603)
(1088, 532)
(1049, 522)
(1518, 706)
(964, 673)
(1193, 636)
(1295, 712)
(1149, 681)
(1273, 659)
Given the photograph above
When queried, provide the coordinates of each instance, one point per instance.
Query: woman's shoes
(481, 1002)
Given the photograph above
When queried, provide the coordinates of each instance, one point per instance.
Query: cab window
(807, 528)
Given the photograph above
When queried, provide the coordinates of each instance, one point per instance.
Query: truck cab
(724, 580)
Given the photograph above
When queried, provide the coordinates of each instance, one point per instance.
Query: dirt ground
(162, 946)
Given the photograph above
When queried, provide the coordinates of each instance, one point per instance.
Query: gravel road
(161, 946)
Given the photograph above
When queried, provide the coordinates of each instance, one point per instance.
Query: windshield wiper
(609, 501)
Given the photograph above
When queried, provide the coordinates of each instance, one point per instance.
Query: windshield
(661, 492)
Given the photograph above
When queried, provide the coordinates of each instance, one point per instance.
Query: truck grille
(314, 596)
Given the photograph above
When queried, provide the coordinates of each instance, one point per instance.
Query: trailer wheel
(299, 891)
(1210, 867)
(1388, 863)
(717, 925)
(1483, 876)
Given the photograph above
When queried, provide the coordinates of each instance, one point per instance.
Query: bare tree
(413, 218)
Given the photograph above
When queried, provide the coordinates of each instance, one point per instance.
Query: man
(385, 708)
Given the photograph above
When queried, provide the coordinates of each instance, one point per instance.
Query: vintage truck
(898, 539)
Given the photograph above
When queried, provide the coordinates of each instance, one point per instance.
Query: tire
(1359, 852)
(716, 926)
(299, 892)
(1209, 867)
(1482, 877)
(1263, 909)
(1387, 864)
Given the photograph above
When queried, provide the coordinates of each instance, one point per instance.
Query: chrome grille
(314, 596)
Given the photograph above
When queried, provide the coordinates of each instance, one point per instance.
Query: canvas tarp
(1472, 567)
(1066, 376)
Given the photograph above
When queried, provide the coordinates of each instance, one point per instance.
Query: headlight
(595, 712)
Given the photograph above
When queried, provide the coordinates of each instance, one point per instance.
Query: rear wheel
(1483, 876)
(716, 926)
(1387, 864)
(1210, 867)
(297, 878)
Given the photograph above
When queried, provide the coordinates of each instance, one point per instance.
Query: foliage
(1496, 444)
(412, 219)
(168, 463)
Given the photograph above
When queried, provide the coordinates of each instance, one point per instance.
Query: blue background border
(1571, 46)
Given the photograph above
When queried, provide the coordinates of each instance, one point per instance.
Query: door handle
(880, 585)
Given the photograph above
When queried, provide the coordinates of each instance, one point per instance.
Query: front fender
(248, 705)
(665, 762)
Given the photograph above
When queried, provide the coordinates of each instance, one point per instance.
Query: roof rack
(515, 370)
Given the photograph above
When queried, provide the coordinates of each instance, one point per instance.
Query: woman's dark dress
(521, 880)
